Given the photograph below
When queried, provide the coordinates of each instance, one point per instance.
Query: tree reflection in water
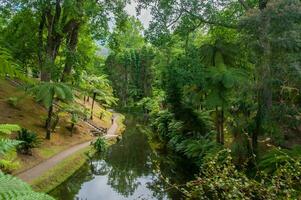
(127, 171)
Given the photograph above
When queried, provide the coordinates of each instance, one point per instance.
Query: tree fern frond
(8, 128)
(12, 188)
(46, 91)
(7, 145)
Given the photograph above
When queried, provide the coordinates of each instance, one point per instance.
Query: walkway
(46, 165)
(111, 133)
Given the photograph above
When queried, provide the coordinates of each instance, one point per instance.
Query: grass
(31, 115)
(47, 153)
(61, 172)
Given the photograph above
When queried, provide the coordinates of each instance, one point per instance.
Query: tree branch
(211, 22)
(244, 4)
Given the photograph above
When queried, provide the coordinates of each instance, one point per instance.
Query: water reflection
(125, 172)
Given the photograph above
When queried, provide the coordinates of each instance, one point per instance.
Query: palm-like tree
(47, 93)
(103, 91)
(218, 57)
(100, 88)
(76, 112)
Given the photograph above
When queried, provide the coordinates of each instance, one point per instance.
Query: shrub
(219, 179)
(29, 140)
(277, 157)
(8, 166)
(100, 145)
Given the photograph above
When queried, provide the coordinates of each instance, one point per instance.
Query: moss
(61, 172)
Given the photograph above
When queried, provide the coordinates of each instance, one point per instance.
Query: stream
(128, 171)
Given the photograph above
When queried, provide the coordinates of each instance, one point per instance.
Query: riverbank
(68, 165)
(130, 169)
(60, 172)
(27, 113)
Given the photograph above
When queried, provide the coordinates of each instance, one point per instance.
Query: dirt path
(111, 133)
(41, 168)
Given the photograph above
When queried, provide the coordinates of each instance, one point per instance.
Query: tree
(48, 93)
(61, 20)
(219, 57)
(102, 89)
(76, 112)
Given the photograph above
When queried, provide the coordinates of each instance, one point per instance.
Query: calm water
(129, 170)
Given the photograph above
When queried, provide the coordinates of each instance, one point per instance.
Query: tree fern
(278, 157)
(46, 92)
(12, 188)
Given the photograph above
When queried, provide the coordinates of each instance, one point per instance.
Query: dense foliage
(100, 145)
(207, 75)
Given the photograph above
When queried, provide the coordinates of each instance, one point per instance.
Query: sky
(144, 17)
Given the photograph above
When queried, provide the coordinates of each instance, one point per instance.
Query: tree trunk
(264, 93)
(48, 122)
(219, 124)
(218, 139)
(40, 40)
(72, 29)
(53, 40)
(94, 97)
(222, 127)
(72, 128)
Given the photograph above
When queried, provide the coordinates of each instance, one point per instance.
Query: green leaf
(12, 188)
(7, 145)
(9, 128)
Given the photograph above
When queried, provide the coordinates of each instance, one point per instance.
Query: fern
(7, 64)
(45, 92)
(279, 157)
(8, 128)
(12, 188)
(7, 145)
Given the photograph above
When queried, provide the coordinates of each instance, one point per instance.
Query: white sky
(145, 16)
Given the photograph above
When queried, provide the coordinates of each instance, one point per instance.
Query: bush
(29, 140)
(277, 157)
(100, 145)
(219, 179)
(8, 166)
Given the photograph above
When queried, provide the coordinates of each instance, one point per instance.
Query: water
(129, 170)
